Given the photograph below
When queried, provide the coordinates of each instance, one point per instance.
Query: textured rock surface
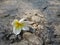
(47, 25)
(34, 40)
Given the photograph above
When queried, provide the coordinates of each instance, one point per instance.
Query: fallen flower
(19, 25)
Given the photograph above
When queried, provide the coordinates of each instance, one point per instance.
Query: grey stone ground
(48, 29)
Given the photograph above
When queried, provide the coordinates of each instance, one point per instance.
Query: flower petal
(21, 20)
(25, 28)
(16, 31)
(15, 20)
(28, 22)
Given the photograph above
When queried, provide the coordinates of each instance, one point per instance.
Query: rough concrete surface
(45, 15)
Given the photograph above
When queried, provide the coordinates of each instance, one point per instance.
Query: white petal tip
(26, 28)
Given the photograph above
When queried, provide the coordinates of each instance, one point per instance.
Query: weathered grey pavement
(46, 12)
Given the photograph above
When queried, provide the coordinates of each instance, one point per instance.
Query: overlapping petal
(19, 25)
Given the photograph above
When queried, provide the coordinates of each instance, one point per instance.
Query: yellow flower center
(18, 25)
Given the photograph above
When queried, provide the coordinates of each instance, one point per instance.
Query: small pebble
(40, 27)
(35, 26)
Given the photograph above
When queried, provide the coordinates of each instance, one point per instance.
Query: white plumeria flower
(19, 25)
